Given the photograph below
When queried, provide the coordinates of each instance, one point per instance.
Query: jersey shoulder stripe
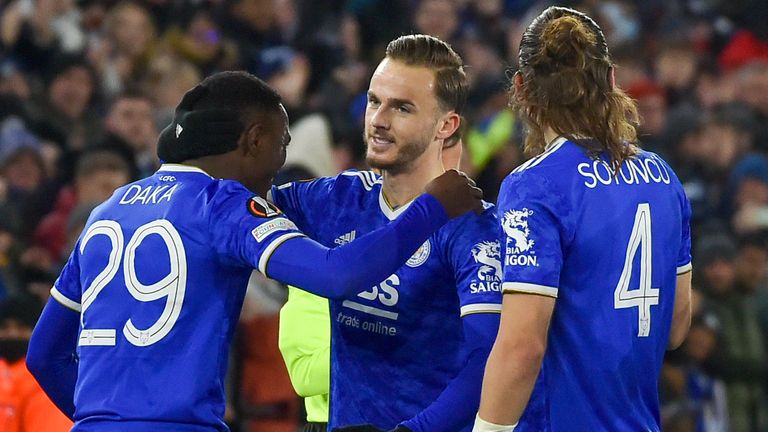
(368, 178)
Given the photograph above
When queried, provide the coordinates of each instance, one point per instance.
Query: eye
(373, 101)
(404, 109)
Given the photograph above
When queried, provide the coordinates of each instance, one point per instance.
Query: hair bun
(565, 41)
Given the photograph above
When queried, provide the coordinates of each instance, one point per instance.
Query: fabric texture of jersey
(609, 248)
(159, 275)
(395, 346)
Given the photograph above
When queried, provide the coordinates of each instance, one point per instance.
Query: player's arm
(516, 357)
(51, 356)
(305, 342)
(681, 317)
(342, 271)
(457, 404)
(528, 203)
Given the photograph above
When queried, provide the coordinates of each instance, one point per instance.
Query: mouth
(380, 142)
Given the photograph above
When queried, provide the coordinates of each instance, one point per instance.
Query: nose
(379, 119)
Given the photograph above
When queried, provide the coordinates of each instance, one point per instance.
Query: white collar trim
(556, 142)
(172, 167)
(387, 210)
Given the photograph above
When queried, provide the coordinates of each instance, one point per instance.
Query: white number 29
(644, 297)
(172, 286)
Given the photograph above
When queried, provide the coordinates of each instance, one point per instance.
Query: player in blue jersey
(137, 332)
(409, 350)
(596, 243)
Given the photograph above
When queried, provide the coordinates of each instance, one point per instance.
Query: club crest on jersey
(488, 255)
(519, 245)
(262, 208)
(420, 256)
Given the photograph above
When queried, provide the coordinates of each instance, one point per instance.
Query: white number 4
(645, 296)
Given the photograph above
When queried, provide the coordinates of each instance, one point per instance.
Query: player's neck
(223, 168)
(550, 135)
(400, 187)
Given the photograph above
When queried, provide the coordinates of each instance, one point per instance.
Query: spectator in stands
(8, 241)
(130, 130)
(739, 359)
(652, 107)
(751, 88)
(67, 101)
(98, 174)
(166, 81)
(198, 39)
(676, 68)
(23, 172)
(752, 275)
(24, 407)
(122, 55)
(693, 400)
(748, 195)
(438, 18)
(34, 32)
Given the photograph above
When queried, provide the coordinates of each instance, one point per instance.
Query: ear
(250, 139)
(447, 125)
(612, 77)
(517, 81)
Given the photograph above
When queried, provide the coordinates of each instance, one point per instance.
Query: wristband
(484, 426)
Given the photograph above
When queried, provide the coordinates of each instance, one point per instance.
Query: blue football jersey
(159, 275)
(395, 346)
(609, 248)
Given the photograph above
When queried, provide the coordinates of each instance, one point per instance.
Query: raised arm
(329, 273)
(343, 271)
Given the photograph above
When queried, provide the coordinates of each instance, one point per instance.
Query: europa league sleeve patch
(262, 208)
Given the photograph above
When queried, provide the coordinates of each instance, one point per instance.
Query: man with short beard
(407, 354)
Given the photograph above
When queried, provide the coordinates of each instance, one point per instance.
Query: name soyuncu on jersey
(159, 275)
(395, 346)
(609, 248)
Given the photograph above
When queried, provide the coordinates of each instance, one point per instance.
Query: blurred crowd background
(86, 85)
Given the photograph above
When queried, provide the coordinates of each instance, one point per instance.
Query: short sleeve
(684, 255)
(67, 290)
(683, 263)
(245, 228)
(532, 216)
(474, 253)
